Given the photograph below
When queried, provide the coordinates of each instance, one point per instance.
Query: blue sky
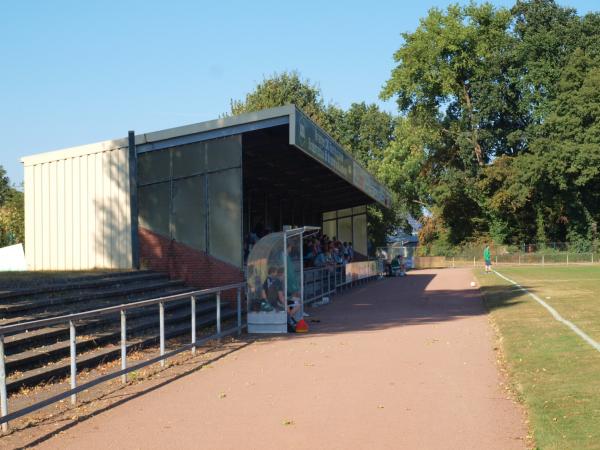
(77, 72)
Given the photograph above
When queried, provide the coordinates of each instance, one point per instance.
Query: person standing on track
(487, 257)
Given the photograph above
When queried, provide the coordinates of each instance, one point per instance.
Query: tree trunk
(474, 137)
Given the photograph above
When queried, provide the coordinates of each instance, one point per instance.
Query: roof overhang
(304, 134)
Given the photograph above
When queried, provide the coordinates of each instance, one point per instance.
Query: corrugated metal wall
(77, 209)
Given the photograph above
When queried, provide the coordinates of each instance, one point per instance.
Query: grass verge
(552, 370)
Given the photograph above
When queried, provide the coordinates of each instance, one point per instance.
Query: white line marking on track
(554, 313)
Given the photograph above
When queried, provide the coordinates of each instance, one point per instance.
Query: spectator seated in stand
(309, 254)
(320, 260)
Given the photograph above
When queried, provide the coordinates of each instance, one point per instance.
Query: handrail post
(335, 268)
(3, 394)
(239, 310)
(123, 345)
(193, 313)
(161, 318)
(73, 354)
(219, 313)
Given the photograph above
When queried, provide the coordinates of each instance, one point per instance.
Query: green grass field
(552, 370)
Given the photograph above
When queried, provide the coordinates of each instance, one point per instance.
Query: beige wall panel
(101, 199)
(53, 216)
(94, 188)
(60, 215)
(29, 215)
(37, 217)
(45, 218)
(77, 211)
(68, 213)
(77, 225)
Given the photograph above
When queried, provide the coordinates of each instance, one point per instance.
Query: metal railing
(71, 319)
(325, 281)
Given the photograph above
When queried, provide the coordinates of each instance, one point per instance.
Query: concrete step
(104, 354)
(73, 283)
(110, 334)
(49, 335)
(11, 310)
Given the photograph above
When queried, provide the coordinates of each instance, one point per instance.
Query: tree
(5, 188)
(12, 215)
(498, 134)
(459, 113)
(568, 143)
(282, 89)
(448, 78)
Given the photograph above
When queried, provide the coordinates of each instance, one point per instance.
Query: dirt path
(403, 363)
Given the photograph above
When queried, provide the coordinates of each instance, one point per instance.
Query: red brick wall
(196, 268)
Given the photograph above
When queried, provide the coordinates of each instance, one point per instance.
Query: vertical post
(3, 394)
(543, 260)
(219, 313)
(567, 258)
(239, 309)
(285, 269)
(133, 203)
(123, 345)
(161, 319)
(302, 269)
(496, 259)
(592, 257)
(193, 313)
(73, 352)
(519, 258)
(335, 269)
(473, 261)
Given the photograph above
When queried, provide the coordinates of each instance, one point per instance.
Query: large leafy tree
(497, 135)
(450, 85)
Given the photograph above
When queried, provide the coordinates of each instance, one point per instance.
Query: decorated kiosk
(275, 282)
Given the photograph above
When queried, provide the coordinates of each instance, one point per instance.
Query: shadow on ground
(405, 301)
(120, 393)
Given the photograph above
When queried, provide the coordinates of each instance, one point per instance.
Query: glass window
(189, 212)
(224, 153)
(359, 239)
(344, 212)
(345, 229)
(330, 228)
(189, 159)
(359, 209)
(153, 205)
(225, 215)
(154, 166)
(329, 215)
